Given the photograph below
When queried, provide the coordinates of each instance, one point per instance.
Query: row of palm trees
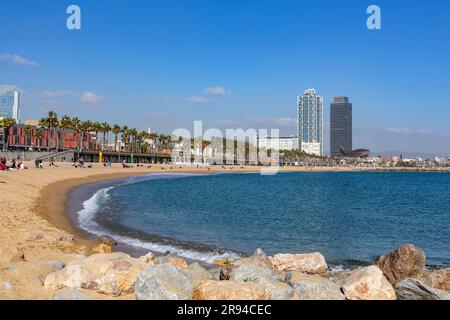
(132, 139)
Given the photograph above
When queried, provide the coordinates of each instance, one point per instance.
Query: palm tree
(106, 128)
(116, 130)
(125, 136)
(96, 127)
(142, 136)
(27, 130)
(133, 134)
(65, 123)
(38, 134)
(86, 126)
(7, 123)
(44, 123)
(53, 123)
(75, 126)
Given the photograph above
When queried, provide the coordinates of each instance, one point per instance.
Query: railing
(55, 154)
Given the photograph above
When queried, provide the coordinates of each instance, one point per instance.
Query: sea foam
(86, 220)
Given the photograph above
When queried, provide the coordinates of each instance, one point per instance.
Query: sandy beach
(34, 228)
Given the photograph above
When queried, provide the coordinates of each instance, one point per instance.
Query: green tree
(7, 124)
(86, 127)
(96, 128)
(106, 129)
(116, 129)
(65, 124)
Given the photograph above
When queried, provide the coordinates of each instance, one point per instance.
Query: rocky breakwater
(400, 274)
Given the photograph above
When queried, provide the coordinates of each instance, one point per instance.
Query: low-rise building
(314, 148)
(280, 143)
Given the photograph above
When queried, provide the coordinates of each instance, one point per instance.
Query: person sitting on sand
(21, 166)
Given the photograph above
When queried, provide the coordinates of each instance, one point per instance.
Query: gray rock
(197, 273)
(215, 273)
(163, 282)
(258, 274)
(313, 287)
(412, 289)
(252, 273)
(70, 294)
(56, 264)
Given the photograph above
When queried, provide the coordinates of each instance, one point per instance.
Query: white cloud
(16, 59)
(217, 91)
(89, 97)
(198, 100)
(57, 94)
(403, 130)
(8, 87)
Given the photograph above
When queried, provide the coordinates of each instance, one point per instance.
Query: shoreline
(35, 228)
(52, 202)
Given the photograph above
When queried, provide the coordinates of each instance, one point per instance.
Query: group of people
(19, 165)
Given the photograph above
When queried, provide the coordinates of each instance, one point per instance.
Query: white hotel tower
(310, 122)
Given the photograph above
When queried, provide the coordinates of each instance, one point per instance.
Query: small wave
(90, 207)
(338, 268)
(86, 220)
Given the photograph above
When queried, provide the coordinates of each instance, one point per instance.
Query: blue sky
(150, 64)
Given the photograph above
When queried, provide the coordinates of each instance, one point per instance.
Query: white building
(312, 148)
(310, 118)
(281, 143)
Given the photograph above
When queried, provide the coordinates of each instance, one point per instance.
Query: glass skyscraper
(9, 105)
(340, 126)
(310, 119)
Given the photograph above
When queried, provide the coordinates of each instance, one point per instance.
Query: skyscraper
(340, 126)
(310, 119)
(10, 105)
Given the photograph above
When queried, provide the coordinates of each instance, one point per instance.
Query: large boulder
(412, 289)
(229, 290)
(174, 259)
(197, 273)
(311, 263)
(368, 284)
(261, 261)
(252, 273)
(112, 274)
(163, 282)
(407, 261)
(313, 287)
(266, 276)
(440, 279)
